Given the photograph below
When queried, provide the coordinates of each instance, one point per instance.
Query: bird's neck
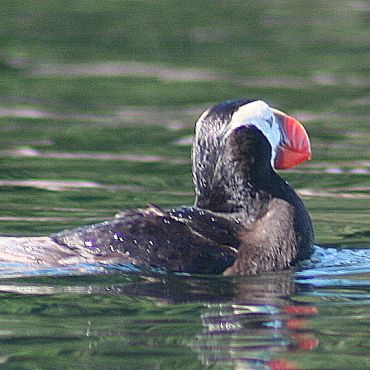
(233, 173)
(234, 188)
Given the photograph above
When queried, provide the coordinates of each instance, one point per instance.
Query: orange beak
(295, 146)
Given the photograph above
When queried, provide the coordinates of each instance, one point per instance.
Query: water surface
(97, 114)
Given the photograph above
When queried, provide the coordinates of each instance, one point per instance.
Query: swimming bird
(246, 219)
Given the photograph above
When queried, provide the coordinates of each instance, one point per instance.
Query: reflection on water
(261, 322)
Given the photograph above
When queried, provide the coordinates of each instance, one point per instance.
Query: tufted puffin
(246, 219)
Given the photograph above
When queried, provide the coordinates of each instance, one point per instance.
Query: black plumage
(246, 218)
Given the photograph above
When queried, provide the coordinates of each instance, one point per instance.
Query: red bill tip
(295, 147)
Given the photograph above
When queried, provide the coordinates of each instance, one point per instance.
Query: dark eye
(270, 121)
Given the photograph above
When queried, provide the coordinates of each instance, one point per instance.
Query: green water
(97, 106)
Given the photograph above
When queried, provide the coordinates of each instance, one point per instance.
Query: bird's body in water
(246, 218)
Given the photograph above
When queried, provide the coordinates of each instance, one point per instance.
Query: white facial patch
(261, 116)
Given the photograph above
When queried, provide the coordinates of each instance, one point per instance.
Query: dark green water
(97, 106)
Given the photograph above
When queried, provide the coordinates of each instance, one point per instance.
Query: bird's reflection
(248, 322)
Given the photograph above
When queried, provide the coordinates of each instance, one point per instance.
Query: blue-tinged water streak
(331, 263)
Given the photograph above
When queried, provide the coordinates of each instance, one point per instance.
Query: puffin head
(240, 142)
(288, 139)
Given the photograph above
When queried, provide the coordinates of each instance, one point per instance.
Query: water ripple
(336, 268)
